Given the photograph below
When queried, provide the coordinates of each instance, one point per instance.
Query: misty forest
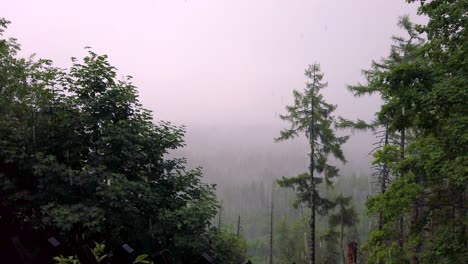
(91, 173)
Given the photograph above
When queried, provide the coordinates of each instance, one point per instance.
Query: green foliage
(344, 218)
(311, 115)
(355, 125)
(291, 231)
(66, 260)
(388, 155)
(228, 247)
(424, 88)
(397, 200)
(99, 254)
(79, 155)
(287, 240)
(344, 214)
(143, 258)
(333, 253)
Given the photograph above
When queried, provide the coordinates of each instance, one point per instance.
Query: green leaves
(79, 154)
(66, 260)
(397, 200)
(142, 259)
(99, 252)
(68, 217)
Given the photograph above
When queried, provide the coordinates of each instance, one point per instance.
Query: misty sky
(224, 65)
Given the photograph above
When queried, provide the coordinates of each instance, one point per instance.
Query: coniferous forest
(88, 174)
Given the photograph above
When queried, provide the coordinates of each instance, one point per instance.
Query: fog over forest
(236, 154)
(81, 159)
(226, 69)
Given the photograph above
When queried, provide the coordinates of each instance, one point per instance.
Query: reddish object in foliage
(352, 253)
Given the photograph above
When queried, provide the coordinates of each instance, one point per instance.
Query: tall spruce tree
(312, 116)
(344, 217)
(396, 128)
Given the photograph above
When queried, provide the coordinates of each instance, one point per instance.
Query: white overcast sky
(217, 61)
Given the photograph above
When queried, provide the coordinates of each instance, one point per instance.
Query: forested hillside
(252, 202)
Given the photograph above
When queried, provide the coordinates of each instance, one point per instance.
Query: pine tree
(312, 116)
(423, 87)
(331, 238)
(344, 217)
(271, 226)
(397, 127)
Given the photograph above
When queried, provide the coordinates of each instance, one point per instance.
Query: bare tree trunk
(402, 156)
(341, 243)
(416, 219)
(383, 180)
(312, 184)
(271, 228)
(312, 234)
(219, 216)
(238, 226)
(306, 246)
